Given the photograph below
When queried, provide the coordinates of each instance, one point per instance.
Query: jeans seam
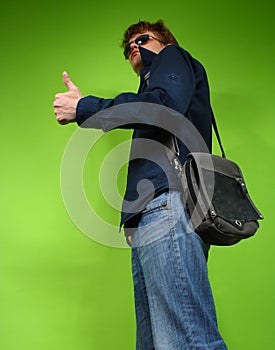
(182, 287)
(142, 284)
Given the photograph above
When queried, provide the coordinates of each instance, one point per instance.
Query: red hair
(158, 28)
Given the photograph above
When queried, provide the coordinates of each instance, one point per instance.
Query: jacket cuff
(86, 107)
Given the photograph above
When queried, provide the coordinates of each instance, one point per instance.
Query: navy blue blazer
(172, 84)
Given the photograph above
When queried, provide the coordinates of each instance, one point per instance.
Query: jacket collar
(147, 56)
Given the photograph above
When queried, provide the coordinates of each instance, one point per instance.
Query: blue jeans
(173, 299)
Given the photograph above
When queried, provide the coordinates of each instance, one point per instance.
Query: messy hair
(158, 28)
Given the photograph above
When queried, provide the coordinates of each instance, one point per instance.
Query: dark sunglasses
(140, 40)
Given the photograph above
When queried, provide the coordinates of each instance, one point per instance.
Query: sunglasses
(140, 40)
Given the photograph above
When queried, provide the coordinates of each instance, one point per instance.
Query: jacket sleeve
(171, 84)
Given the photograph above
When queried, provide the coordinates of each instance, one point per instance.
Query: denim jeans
(173, 299)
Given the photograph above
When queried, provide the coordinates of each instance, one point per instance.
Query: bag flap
(221, 187)
(216, 163)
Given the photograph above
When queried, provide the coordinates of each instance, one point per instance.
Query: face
(134, 55)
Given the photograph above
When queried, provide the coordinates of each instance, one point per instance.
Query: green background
(59, 289)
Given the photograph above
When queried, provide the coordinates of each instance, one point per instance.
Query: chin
(136, 64)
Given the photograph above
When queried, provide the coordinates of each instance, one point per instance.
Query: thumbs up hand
(65, 103)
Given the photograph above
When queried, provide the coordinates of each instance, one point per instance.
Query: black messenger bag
(216, 197)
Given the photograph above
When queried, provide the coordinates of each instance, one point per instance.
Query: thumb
(67, 81)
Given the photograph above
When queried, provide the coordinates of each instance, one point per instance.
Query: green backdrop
(59, 289)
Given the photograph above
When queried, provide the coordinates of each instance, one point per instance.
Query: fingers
(67, 81)
(56, 102)
(65, 103)
(61, 120)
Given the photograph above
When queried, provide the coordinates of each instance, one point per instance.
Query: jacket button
(172, 76)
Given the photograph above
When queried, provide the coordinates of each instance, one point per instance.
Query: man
(173, 299)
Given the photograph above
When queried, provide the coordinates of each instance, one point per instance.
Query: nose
(133, 46)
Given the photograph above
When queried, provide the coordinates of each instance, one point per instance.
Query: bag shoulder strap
(175, 145)
(217, 134)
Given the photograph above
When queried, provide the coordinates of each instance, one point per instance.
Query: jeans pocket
(151, 208)
(154, 208)
(154, 222)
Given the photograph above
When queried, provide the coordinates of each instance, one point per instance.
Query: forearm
(88, 108)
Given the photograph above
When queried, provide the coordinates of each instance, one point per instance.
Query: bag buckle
(177, 165)
(241, 182)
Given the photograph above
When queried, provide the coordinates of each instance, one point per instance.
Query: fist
(65, 103)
